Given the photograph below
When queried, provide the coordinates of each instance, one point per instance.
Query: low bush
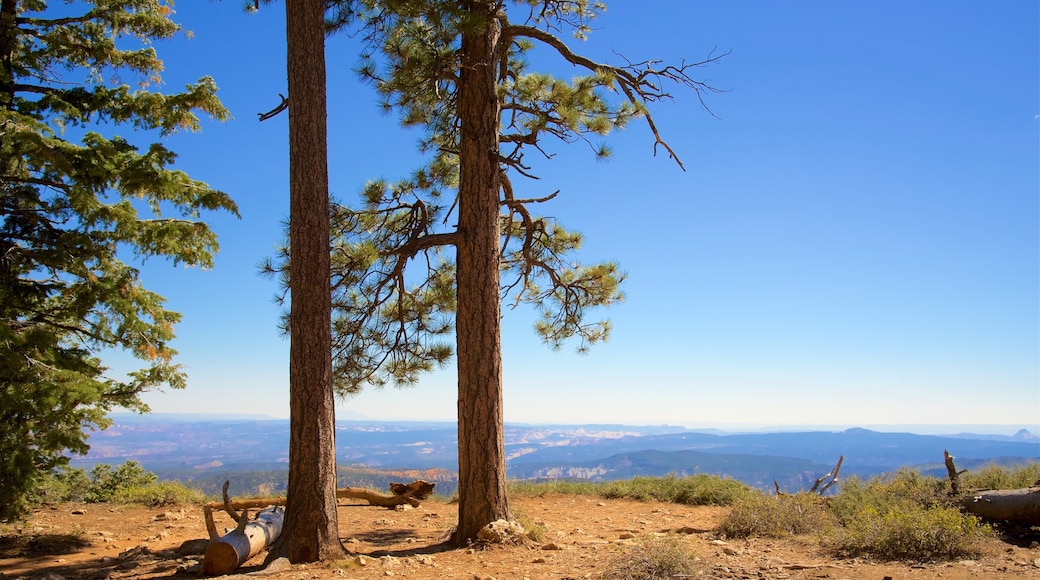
(695, 490)
(657, 558)
(911, 533)
(1001, 476)
(781, 516)
(160, 494)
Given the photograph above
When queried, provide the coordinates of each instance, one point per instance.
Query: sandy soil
(583, 535)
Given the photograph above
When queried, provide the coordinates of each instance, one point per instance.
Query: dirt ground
(583, 535)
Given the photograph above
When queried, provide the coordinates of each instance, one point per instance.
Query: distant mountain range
(253, 452)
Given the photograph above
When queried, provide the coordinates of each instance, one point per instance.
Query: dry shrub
(656, 558)
(776, 516)
(911, 533)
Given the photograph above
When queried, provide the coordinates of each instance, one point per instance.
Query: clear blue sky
(854, 242)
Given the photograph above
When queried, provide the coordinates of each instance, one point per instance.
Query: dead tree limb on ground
(832, 475)
(249, 538)
(1020, 506)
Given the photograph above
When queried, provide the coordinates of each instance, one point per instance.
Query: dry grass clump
(777, 516)
(654, 559)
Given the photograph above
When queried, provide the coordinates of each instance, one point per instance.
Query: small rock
(727, 550)
(424, 559)
(279, 565)
(968, 563)
(552, 546)
(403, 507)
(133, 552)
(626, 536)
(363, 560)
(538, 561)
(78, 512)
(500, 531)
(1036, 562)
(192, 547)
(384, 522)
(601, 504)
(389, 561)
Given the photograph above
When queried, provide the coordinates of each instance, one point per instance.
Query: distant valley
(253, 452)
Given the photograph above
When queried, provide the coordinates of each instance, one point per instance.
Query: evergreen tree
(73, 204)
(404, 275)
(311, 530)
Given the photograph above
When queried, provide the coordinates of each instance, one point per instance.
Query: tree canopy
(75, 205)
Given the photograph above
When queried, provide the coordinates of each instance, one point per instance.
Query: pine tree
(73, 204)
(404, 276)
(311, 529)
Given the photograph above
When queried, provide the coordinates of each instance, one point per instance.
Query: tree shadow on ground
(37, 545)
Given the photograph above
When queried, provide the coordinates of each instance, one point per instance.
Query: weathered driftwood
(247, 540)
(411, 494)
(1021, 506)
(832, 475)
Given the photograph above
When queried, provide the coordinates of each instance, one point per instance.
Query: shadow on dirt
(34, 546)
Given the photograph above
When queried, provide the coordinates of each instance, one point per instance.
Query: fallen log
(247, 540)
(411, 494)
(1020, 506)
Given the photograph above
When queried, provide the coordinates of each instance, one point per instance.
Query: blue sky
(854, 242)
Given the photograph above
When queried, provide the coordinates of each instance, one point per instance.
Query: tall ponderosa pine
(403, 272)
(311, 529)
(73, 203)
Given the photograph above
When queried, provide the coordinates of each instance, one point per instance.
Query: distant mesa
(1025, 435)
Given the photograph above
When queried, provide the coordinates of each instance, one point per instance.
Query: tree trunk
(311, 527)
(247, 540)
(1020, 506)
(482, 472)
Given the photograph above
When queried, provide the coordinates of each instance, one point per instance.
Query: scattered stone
(192, 547)
(626, 536)
(538, 561)
(384, 522)
(691, 530)
(279, 565)
(425, 559)
(500, 531)
(79, 512)
(403, 507)
(601, 504)
(968, 563)
(363, 560)
(133, 552)
(552, 546)
(1036, 562)
(729, 551)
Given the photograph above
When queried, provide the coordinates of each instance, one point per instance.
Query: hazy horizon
(1005, 429)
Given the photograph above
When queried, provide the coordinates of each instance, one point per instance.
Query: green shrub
(911, 533)
(696, 490)
(106, 482)
(163, 493)
(1001, 477)
(905, 489)
(62, 485)
(657, 558)
(553, 486)
(767, 516)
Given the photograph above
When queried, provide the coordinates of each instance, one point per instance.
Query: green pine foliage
(394, 255)
(75, 201)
